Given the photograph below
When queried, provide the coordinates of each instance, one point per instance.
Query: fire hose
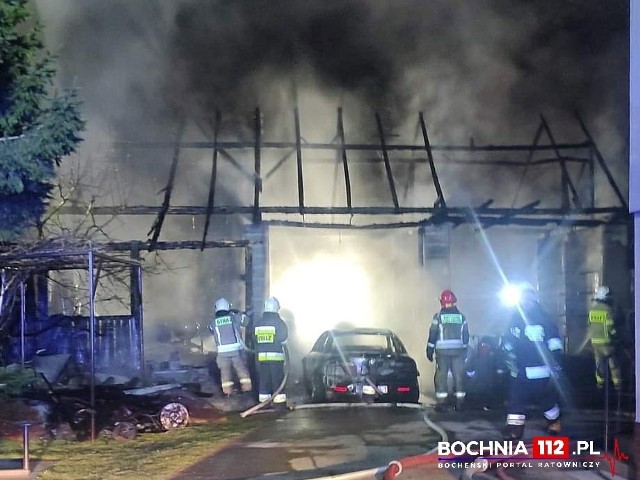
(278, 390)
(396, 467)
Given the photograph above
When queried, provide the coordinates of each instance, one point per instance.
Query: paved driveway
(309, 443)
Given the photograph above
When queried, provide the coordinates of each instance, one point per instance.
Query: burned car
(119, 413)
(362, 364)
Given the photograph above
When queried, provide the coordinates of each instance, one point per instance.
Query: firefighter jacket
(270, 333)
(225, 328)
(449, 331)
(601, 324)
(532, 344)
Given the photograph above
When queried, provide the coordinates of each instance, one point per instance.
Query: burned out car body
(362, 364)
(118, 412)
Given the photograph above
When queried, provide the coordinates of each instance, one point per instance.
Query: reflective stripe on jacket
(270, 357)
(532, 343)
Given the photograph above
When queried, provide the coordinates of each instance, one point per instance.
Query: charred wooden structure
(570, 201)
(576, 206)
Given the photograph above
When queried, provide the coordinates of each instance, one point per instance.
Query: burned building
(367, 233)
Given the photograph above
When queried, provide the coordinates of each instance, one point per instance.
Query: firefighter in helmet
(270, 334)
(448, 339)
(225, 328)
(533, 351)
(602, 333)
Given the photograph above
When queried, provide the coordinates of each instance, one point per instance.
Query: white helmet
(222, 304)
(271, 304)
(603, 293)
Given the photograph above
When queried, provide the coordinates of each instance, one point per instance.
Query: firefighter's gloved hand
(430, 354)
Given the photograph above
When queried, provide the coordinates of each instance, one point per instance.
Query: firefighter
(533, 350)
(270, 333)
(448, 339)
(225, 328)
(603, 335)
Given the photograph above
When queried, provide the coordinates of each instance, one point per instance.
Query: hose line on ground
(278, 390)
(395, 467)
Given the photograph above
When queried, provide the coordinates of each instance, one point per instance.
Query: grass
(152, 455)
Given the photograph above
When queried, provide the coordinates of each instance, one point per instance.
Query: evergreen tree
(37, 127)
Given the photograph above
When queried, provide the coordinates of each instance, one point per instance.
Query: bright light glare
(510, 295)
(323, 292)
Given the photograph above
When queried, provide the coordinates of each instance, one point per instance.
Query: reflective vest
(269, 333)
(225, 333)
(601, 326)
(450, 327)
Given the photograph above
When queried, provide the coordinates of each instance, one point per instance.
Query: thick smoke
(480, 68)
(483, 69)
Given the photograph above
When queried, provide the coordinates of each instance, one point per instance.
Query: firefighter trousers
(270, 376)
(449, 362)
(228, 363)
(524, 391)
(605, 358)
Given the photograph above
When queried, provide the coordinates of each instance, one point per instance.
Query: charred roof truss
(573, 209)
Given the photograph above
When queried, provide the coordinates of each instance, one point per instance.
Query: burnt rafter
(157, 225)
(214, 174)
(567, 183)
(289, 210)
(299, 161)
(601, 161)
(387, 162)
(343, 154)
(555, 154)
(257, 182)
(427, 145)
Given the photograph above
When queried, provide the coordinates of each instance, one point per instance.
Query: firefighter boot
(227, 388)
(459, 403)
(554, 427)
(245, 384)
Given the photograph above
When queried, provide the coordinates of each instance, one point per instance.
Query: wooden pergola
(23, 263)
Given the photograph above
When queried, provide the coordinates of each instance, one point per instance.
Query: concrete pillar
(257, 266)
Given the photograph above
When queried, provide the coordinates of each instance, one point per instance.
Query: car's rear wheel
(318, 391)
(414, 394)
(306, 379)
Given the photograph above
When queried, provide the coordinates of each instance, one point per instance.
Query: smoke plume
(483, 69)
